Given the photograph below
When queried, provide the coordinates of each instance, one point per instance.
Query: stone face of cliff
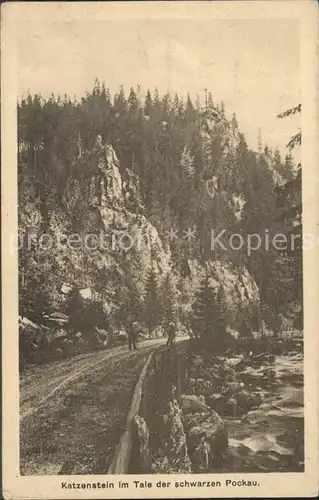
(214, 125)
(101, 203)
(240, 290)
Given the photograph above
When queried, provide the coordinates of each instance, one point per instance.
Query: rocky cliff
(107, 245)
(119, 243)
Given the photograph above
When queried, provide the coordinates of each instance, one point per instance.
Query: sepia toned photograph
(160, 247)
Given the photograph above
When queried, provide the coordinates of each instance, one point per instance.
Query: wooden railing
(122, 455)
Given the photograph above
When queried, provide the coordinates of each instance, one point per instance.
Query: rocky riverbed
(237, 413)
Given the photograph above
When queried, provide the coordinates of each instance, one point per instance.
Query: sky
(253, 65)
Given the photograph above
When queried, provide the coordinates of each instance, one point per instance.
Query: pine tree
(152, 311)
(157, 105)
(289, 167)
(187, 162)
(295, 139)
(148, 104)
(292, 193)
(209, 321)
(169, 301)
(222, 108)
(260, 142)
(220, 314)
(132, 101)
(134, 304)
(177, 106)
(198, 106)
(120, 103)
(266, 150)
(234, 123)
(190, 112)
(210, 102)
(166, 106)
(202, 321)
(277, 159)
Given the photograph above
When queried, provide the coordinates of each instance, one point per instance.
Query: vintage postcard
(159, 249)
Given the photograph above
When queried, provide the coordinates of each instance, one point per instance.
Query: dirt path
(72, 412)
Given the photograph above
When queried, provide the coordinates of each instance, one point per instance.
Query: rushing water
(270, 437)
(258, 395)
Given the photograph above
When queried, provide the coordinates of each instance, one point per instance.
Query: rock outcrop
(143, 435)
(240, 290)
(207, 438)
(194, 437)
(173, 456)
(106, 210)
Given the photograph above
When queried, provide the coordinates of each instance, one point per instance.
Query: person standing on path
(132, 336)
(171, 334)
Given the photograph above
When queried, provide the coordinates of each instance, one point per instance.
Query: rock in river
(206, 434)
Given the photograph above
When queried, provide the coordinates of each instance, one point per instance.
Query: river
(270, 437)
(254, 398)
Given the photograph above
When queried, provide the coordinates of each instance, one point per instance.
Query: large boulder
(32, 341)
(205, 430)
(206, 436)
(175, 457)
(192, 404)
(143, 435)
(238, 404)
